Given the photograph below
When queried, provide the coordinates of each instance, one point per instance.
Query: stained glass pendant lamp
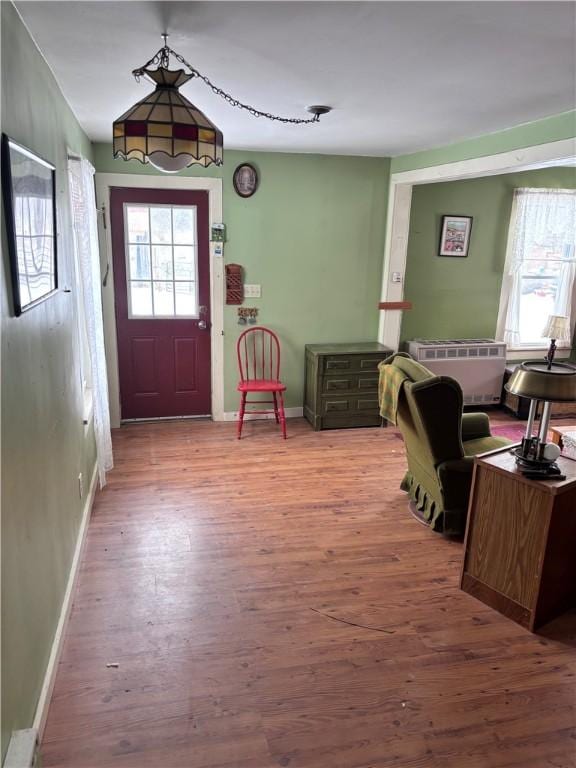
(167, 130)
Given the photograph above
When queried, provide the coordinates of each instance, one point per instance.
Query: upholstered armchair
(441, 441)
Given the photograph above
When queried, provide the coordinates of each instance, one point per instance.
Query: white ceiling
(401, 76)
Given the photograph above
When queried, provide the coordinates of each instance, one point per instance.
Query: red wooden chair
(259, 363)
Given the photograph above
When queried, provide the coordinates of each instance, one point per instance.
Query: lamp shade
(557, 327)
(166, 129)
(533, 380)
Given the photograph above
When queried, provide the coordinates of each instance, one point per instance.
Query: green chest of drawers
(341, 387)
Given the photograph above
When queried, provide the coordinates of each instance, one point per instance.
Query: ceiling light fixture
(167, 130)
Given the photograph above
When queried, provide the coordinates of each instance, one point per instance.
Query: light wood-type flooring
(273, 603)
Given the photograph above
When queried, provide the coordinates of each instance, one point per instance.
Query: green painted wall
(44, 447)
(313, 237)
(554, 128)
(456, 297)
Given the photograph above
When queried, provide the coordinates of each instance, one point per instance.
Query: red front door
(160, 247)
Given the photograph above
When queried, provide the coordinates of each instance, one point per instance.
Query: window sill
(529, 353)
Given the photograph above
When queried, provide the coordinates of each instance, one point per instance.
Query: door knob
(202, 324)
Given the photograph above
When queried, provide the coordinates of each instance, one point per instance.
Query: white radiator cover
(476, 364)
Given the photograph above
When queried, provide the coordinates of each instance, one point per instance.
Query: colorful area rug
(514, 432)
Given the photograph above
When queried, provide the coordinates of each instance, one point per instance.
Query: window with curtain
(83, 342)
(91, 324)
(540, 270)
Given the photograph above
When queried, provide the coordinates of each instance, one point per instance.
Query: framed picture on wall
(245, 180)
(455, 235)
(29, 191)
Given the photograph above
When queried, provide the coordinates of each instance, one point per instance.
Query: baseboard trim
(291, 413)
(22, 749)
(57, 644)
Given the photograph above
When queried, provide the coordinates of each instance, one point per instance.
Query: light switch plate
(252, 291)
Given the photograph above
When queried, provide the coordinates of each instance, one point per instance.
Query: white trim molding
(562, 353)
(22, 749)
(400, 200)
(104, 182)
(58, 642)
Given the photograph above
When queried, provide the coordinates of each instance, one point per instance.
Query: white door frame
(400, 200)
(104, 182)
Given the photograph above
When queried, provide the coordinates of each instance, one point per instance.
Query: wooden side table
(556, 433)
(519, 406)
(520, 545)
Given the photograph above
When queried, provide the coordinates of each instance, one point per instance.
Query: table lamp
(556, 329)
(548, 382)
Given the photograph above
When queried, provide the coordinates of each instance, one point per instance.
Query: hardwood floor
(225, 580)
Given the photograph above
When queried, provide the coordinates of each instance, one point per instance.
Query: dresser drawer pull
(337, 384)
(337, 365)
(367, 405)
(337, 405)
(369, 365)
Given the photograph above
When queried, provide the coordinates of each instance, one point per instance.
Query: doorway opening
(160, 249)
(105, 183)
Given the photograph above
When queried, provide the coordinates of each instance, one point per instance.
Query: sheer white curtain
(566, 295)
(542, 231)
(508, 325)
(81, 176)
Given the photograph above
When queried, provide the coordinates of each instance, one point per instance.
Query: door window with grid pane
(161, 260)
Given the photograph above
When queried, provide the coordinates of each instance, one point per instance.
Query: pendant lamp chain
(162, 59)
(167, 130)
